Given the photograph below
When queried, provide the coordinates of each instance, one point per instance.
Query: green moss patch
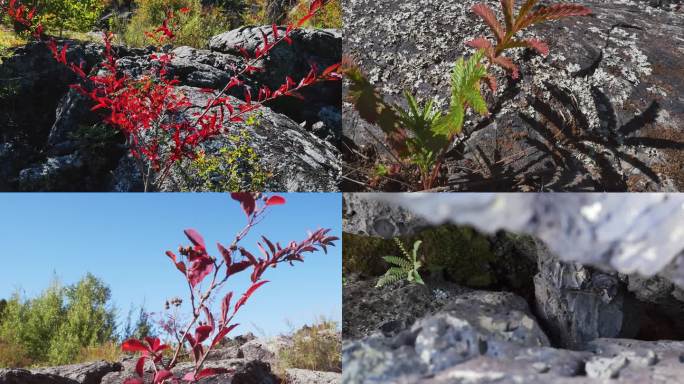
(462, 254)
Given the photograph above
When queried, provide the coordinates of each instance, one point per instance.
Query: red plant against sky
(151, 112)
(198, 337)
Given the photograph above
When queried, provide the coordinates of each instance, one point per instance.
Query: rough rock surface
(485, 337)
(467, 325)
(365, 216)
(303, 376)
(579, 304)
(611, 82)
(23, 376)
(630, 234)
(89, 373)
(41, 118)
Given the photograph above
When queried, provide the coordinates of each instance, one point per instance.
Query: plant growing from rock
(405, 267)
(513, 24)
(205, 329)
(153, 115)
(403, 141)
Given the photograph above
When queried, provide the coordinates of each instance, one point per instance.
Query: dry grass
(109, 352)
(328, 17)
(317, 347)
(14, 356)
(8, 40)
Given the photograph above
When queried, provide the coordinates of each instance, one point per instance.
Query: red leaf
(223, 334)
(239, 267)
(140, 366)
(248, 255)
(133, 381)
(489, 18)
(246, 201)
(202, 332)
(195, 237)
(211, 372)
(275, 200)
(225, 306)
(133, 345)
(225, 253)
(331, 69)
(247, 294)
(482, 43)
(201, 267)
(162, 375)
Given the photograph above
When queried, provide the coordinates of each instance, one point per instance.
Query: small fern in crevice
(405, 267)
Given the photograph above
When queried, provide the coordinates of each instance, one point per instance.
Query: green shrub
(317, 347)
(56, 325)
(70, 15)
(261, 13)
(234, 169)
(195, 27)
(328, 17)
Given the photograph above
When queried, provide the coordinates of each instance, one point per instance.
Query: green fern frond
(388, 279)
(398, 261)
(405, 267)
(465, 92)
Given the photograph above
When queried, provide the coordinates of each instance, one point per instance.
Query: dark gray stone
(88, 373)
(620, 66)
(23, 376)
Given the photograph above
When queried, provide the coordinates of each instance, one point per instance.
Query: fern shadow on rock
(564, 152)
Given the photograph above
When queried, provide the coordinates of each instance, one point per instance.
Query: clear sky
(121, 238)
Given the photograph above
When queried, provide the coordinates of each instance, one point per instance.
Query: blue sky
(121, 239)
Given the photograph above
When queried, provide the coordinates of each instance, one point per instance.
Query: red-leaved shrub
(150, 111)
(196, 336)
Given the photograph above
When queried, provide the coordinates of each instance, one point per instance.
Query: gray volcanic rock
(579, 304)
(364, 216)
(42, 117)
(319, 47)
(466, 326)
(88, 373)
(303, 376)
(630, 234)
(389, 310)
(299, 160)
(611, 81)
(244, 372)
(23, 376)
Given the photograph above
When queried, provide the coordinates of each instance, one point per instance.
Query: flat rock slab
(304, 376)
(614, 77)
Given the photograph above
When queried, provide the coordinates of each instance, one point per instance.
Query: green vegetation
(315, 347)
(405, 267)
(235, 168)
(460, 254)
(195, 27)
(8, 40)
(466, 80)
(56, 326)
(69, 15)
(279, 12)
(419, 137)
